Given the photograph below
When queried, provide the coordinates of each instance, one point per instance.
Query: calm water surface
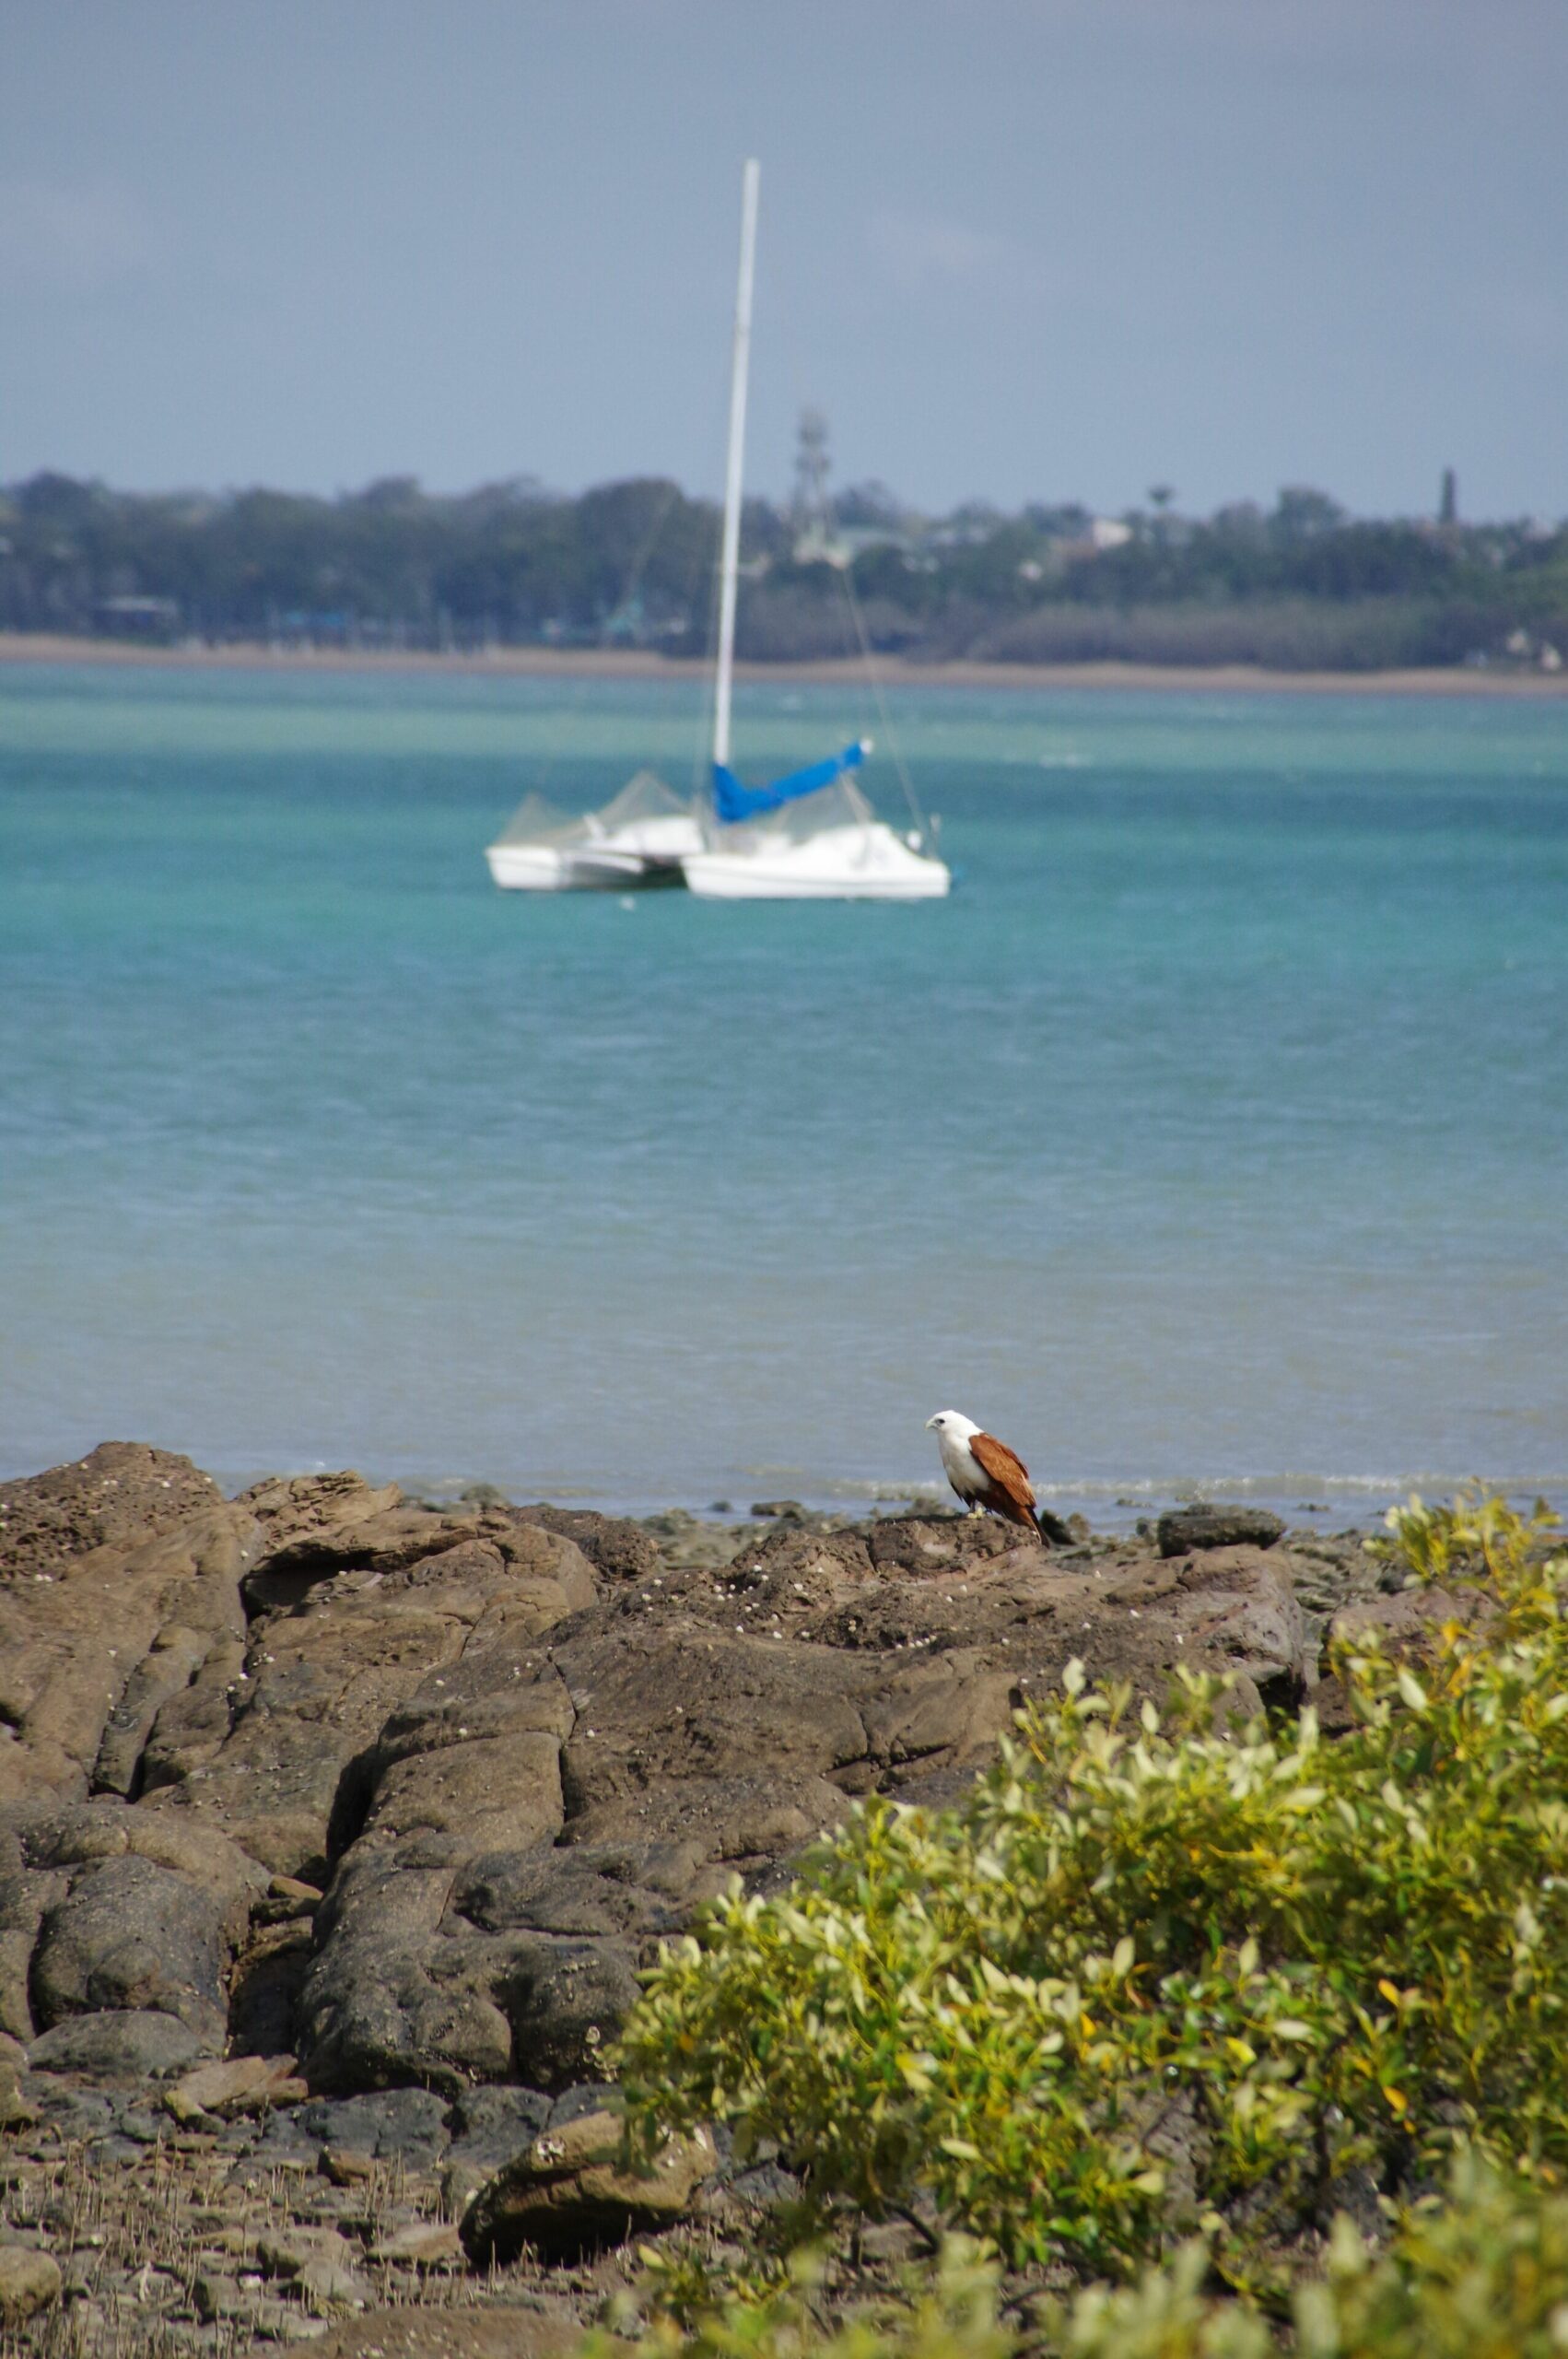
(1215, 1132)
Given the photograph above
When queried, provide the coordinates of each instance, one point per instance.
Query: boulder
(574, 2190)
(131, 1934)
(124, 2047)
(102, 1905)
(1216, 1526)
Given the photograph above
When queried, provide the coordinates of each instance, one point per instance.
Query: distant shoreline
(616, 663)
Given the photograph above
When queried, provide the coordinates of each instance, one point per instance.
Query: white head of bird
(952, 1430)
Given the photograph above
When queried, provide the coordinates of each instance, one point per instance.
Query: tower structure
(808, 506)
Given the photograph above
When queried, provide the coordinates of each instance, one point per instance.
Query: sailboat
(811, 836)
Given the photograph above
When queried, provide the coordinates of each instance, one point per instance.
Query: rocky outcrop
(410, 1793)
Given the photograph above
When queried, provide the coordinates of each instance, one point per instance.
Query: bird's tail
(1052, 1530)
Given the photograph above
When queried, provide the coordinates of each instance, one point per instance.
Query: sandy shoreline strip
(632, 664)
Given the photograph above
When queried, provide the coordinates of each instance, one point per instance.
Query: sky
(1014, 250)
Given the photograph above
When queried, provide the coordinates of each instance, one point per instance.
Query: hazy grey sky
(1019, 249)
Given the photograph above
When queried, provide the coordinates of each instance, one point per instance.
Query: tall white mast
(729, 563)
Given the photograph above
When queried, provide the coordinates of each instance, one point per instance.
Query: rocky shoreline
(335, 1829)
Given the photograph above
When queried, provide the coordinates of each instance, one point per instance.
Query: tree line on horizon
(1301, 585)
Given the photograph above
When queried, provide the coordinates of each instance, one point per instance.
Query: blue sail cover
(732, 800)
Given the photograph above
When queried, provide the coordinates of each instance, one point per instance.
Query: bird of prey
(986, 1473)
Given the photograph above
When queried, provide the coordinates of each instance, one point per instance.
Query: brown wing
(1006, 1470)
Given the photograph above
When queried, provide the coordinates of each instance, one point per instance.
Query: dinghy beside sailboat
(638, 838)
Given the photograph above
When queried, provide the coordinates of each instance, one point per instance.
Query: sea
(1212, 1141)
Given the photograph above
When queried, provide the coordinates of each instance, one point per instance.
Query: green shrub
(1153, 1978)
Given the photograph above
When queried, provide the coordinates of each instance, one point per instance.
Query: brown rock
(80, 1644)
(499, 1793)
(104, 1907)
(119, 1495)
(301, 1510)
(709, 1724)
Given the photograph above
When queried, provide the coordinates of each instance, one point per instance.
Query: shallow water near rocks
(1213, 1136)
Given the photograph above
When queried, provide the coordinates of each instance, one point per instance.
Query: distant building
(1448, 504)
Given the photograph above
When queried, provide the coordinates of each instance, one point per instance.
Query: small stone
(348, 2165)
(217, 2295)
(292, 1889)
(238, 2086)
(327, 2285)
(288, 2252)
(29, 2281)
(425, 2244)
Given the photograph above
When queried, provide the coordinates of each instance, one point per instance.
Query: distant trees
(632, 562)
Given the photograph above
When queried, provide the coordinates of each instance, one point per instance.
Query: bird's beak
(929, 1423)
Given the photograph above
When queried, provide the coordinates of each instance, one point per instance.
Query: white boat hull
(647, 853)
(860, 864)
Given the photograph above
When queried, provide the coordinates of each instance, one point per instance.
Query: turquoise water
(1214, 1133)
